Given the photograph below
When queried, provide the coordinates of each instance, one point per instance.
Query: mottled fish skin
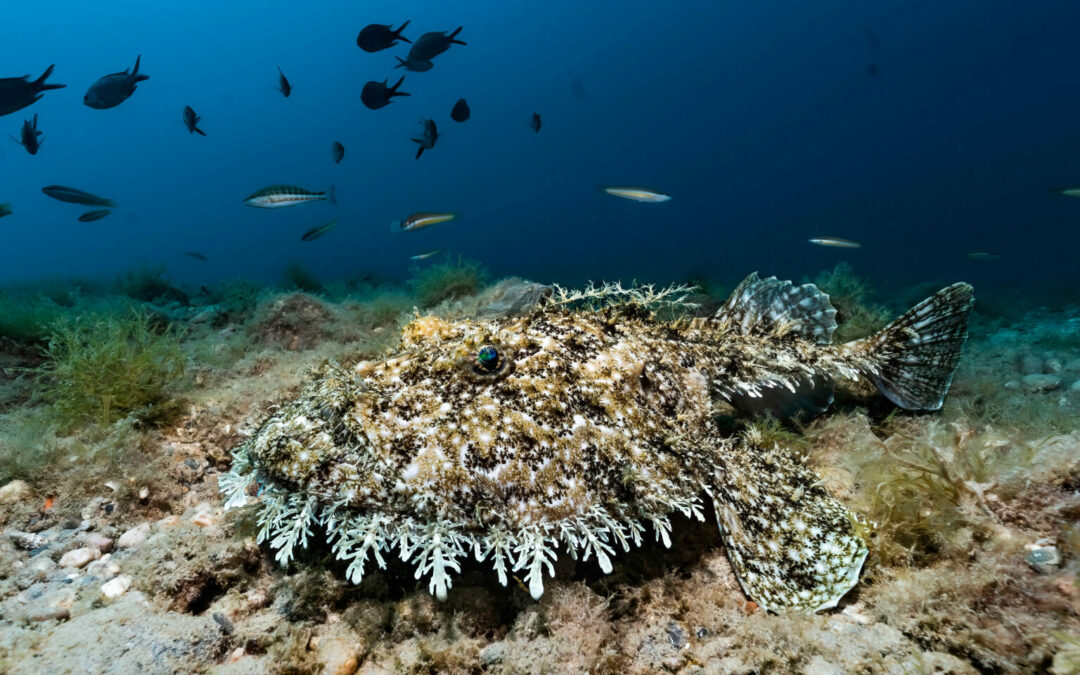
(277, 196)
(17, 93)
(512, 437)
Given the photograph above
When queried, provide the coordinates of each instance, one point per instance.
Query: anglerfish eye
(487, 359)
(489, 363)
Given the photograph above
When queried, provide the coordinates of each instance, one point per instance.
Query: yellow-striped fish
(423, 256)
(638, 194)
(420, 220)
(277, 196)
(835, 242)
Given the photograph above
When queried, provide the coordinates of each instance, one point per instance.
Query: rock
(1036, 383)
(205, 316)
(15, 491)
(99, 541)
(27, 541)
(1004, 337)
(203, 519)
(1072, 366)
(135, 537)
(294, 322)
(48, 614)
(115, 588)
(1031, 364)
(493, 653)
(338, 656)
(675, 635)
(79, 557)
(1043, 559)
(144, 494)
(1053, 366)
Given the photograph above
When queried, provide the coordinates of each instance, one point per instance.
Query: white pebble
(116, 587)
(203, 519)
(79, 557)
(15, 491)
(134, 537)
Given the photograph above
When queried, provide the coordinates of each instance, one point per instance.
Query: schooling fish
(5, 210)
(575, 427)
(638, 194)
(18, 92)
(30, 136)
(277, 196)
(191, 120)
(316, 232)
(91, 216)
(196, 255)
(835, 242)
(414, 65)
(420, 220)
(430, 45)
(460, 111)
(535, 122)
(283, 83)
(424, 256)
(337, 150)
(376, 95)
(73, 196)
(428, 138)
(112, 90)
(377, 37)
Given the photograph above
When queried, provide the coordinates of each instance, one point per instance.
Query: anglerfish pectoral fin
(792, 545)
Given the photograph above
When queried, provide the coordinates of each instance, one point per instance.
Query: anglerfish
(581, 426)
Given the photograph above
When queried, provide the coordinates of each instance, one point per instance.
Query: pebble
(79, 557)
(338, 656)
(116, 587)
(99, 541)
(135, 537)
(676, 636)
(203, 519)
(15, 491)
(25, 540)
(49, 614)
(144, 493)
(1043, 559)
(1030, 364)
(1035, 383)
(493, 653)
(204, 316)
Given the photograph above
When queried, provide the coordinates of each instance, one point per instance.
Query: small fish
(112, 90)
(283, 83)
(18, 92)
(73, 196)
(377, 37)
(461, 111)
(5, 210)
(535, 122)
(414, 65)
(638, 194)
(316, 232)
(428, 138)
(91, 216)
(197, 256)
(423, 256)
(376, 95)
(337, 151)
(30, 136)
(277, 196)
(983, 256)
(191, 120)
(835, 242)
(420, 220)
(1070, 192)
(430, 45)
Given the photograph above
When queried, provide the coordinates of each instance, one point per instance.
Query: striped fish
(276, 196)
(638, 194)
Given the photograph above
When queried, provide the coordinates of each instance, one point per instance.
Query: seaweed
(447, 280)
(848, 294)
(296, 276)
(148, 283)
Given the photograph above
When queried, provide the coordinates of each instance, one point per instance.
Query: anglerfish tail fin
(916, 355)
(792, 545)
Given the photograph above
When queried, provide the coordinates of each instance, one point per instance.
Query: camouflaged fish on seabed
(578, 424)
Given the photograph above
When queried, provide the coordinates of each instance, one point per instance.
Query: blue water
(759, 118)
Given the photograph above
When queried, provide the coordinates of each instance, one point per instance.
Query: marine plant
(296, 276)
(235, 300)
(148, 283)
(26, 320)
(450, 279)
(101, 368)
(848, 294)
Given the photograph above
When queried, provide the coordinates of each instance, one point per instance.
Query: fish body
(535, 122)
(196, 255)
(17, 93)
(580, 426)
(112, 90)
(91, 216)
(638, 194)
(834, 242)
(377, 95)
(427, 138)
(5, 210)
(414, 65)
(283, 84)
(337, 151)
(420, 220)
(278, 196)
(31, 137)
(73, 196)
(1070, 192)
(460, 112)
(430, 45)
(316, 232)
(377, 37)
(423, 256)
(191, 121)
(983, 256)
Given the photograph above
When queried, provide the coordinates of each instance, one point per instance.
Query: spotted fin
(915, 356)
(807, 396)
(762, 305)
(792, 545)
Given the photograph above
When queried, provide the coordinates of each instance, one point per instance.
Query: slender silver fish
(835, 242)
(316, 232)
(420, 220)
(638, 194)
(423, 256)
(277, 196)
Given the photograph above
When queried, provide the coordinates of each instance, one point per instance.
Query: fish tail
(454, 35)
(395, 92)
(199, 131)
(420, 150)
(914, 357)
(398, 34)
(40, 82)
(401, 62)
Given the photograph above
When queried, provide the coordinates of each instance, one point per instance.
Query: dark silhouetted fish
(277, 196)
(535, 122)
(191, 121)
(428, 138)
(316, 232)
(461, 111)
(73, 196)
(413, 65)
(30, 136)
(197, 256)
(338, 152)
(430, 45)
(112, 90)
(377, 37)
(5, 210)
(283, 83)
(18, 92)
(91, 216)
(376, 95)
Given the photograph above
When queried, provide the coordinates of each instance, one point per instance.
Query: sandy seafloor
(117, 556)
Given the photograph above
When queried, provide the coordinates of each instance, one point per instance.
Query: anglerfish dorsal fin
(762, 305)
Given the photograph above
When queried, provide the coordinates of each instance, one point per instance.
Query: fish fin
(199, 131)
(40, 82)
(401, 62)
(785, 400)
(792, 545)
(419, 151)
(394, 91)
(135, 72)
(765, 305)
(454, 35)
(916, 355)
(399, 36)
